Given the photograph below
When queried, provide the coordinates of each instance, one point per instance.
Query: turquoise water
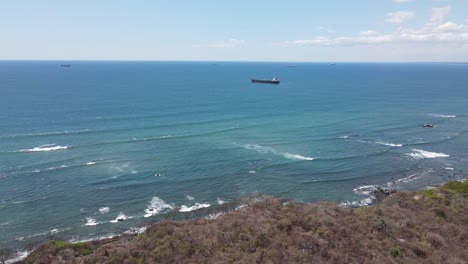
(81, 145)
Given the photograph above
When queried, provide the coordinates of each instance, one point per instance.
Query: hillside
(429, 226)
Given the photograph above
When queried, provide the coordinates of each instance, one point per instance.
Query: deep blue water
(76, 140)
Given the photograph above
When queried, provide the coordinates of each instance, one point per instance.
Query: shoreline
(210, 214)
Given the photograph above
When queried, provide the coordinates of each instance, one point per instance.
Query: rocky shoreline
(427, 226)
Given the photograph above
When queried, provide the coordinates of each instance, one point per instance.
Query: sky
(235, 30)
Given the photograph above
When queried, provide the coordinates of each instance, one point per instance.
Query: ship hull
(265, 81)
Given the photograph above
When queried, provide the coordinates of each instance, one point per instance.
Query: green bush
(429, 193)
(458, 187)
(439, 212)
(84, 252)
(58, 244)
(395, 252)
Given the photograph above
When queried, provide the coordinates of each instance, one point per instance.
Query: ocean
(82, 146)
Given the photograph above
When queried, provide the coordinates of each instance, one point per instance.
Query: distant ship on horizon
(275, 80)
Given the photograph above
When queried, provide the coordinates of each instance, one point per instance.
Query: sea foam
(266, 150)
(90, 221)
(104, 210)
(121, 217)
(44, 148)
(197, 206)
(155, 206)
(389, 144)
(444, 116)
(422, 154)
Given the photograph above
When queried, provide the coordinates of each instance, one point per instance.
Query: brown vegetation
(422, 227)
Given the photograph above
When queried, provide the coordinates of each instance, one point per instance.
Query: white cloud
(399, 17)
(449, 26)
(230, 43)
(433, 31)
(437, 16)
(369, 33)
(326, 29)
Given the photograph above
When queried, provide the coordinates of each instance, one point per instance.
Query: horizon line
(228, 61)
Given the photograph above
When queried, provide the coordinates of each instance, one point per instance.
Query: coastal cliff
(427, 226)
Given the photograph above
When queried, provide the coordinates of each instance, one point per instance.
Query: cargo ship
(272, 81)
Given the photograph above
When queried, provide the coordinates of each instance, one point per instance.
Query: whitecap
(422, 154)
(365, 189)
(190, 198)
(120, 217)
(20, 255)
(266, 150)
(104, 210)
(410, 178)
(296, 156)
(214, 216)
(252, 172)
(90, 221)
(449, 168)
(197, 206)
(389, 144)
(240, 207)
(444, 116)
(343, 137)
(220, 202)
(44, 148)
(90, 163)
(136, 230)
(155, 206)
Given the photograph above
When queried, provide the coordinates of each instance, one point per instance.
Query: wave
(197, 206)
(153, 138)
(91, 221)
(104, 210)
(296, 156)
(422, 154)
(220, 202)
(120, 217)
(389, 144)
(214, 216)
(53, 133)
(136, 230)
(45, 148)
(410, 178)
(268, 150)
(155, 206)
(20, 255)
(444, 116)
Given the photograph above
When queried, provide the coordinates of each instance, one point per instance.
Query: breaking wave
(444, 116)
(45, 148)
(389, 144)
(268, 150)
(120, 217)
(220, 202)
(155, 206)
(197, 206)
(90, 221)
(104, 210)
(422, 154)
(20, 255)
